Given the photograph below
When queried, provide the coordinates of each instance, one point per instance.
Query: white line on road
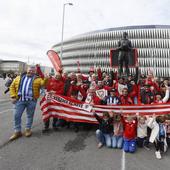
(123, 161)
(6, 103)
(5, 111)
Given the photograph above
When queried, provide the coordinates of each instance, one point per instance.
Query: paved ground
(3, 97)
(66, 150)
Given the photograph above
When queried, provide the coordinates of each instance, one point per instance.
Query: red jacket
(125, 100)
(78, 89)
(55, 85)
(130, 129)
(134, 92)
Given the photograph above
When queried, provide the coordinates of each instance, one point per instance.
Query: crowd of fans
(115, 129)
(108, 88)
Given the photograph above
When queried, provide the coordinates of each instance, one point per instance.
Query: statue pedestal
(133, 59)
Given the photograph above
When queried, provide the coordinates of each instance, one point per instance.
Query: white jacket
(155, 131)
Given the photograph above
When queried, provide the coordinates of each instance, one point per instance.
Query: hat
(147, 85)
(86, 82)
(113, 90)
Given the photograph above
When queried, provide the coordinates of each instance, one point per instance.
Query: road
(64, 149)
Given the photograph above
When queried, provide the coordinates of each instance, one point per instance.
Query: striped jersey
(26, 92)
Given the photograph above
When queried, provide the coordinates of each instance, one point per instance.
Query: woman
(117, 138)
(158, 134)
(105, 130)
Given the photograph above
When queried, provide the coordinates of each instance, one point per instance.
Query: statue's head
(125, 34)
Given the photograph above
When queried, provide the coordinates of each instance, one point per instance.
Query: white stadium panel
(152, 42)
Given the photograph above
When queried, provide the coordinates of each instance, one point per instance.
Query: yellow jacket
(37, 84)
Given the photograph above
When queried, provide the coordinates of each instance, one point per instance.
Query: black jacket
(106, 127)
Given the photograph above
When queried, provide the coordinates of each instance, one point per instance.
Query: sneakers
(28, 132)
(15, 136)
(99, 145)
(158, 155)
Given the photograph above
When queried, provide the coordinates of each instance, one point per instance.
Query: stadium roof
(120, 28)
(132, 27)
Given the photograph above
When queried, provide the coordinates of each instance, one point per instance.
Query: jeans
(129, 145)
(47, 123)
(117, 142)
(19, 108)
(135, 100)
(104, 138)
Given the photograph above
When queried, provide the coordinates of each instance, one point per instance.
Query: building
(12, 66)
(47, 70)
(93, 48)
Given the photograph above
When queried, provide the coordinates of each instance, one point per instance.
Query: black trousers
(159, 145)
(140, 141)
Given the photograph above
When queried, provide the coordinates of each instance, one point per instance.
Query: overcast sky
(28, 28)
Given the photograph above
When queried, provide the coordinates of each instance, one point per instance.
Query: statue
(124, 47)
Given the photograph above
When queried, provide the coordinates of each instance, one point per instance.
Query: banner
(55, 60)
(76, 111)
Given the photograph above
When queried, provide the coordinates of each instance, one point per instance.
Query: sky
(29, 28)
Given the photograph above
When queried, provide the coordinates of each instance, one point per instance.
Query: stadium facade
(93, 48)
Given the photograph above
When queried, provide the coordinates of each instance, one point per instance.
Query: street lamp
(62, 35)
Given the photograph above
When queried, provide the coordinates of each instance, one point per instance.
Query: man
(125, 99)
(124, 47)
(55, 86)
(24, 92)
(159, 99)
(108, 81)
(9, 82)
(146, 95)
(112, 99)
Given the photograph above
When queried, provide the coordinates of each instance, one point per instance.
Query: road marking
(123, 161)
(5, 111)
(7, 100)
(6, 104)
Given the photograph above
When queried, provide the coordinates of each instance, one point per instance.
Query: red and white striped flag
(76, 111)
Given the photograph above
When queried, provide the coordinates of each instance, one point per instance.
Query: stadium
(93, 48)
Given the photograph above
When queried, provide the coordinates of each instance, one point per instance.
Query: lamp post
(62, 34)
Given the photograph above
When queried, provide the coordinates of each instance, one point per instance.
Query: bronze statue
(124, 47)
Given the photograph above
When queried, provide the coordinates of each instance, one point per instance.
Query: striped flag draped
(76, 111)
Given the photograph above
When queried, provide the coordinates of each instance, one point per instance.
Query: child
(158, 134)
(105, 130)
(117, 138)
(129, 133)
(141, 131)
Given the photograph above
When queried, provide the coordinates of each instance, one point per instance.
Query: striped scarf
(25, 91)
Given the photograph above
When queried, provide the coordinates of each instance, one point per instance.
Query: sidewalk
(3, 97)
